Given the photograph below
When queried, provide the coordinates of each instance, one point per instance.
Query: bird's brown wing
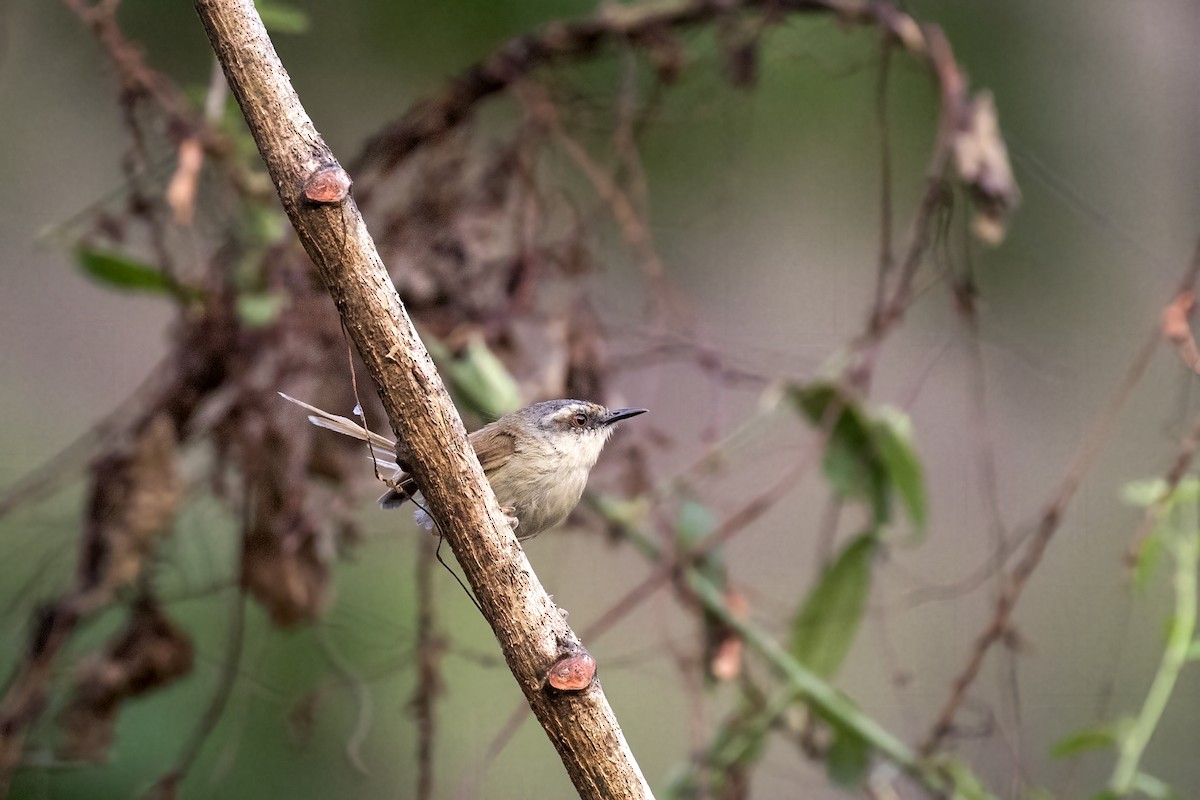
(493, 446)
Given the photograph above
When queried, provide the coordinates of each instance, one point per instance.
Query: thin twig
(469, 786)
(362, 695)
(886, 257)
(1179, 468)
(1097, 436)
(65, 466)
(963, 293)
(137, 80)
(634, 229)
(557, 43)
(952, 84)
(999, 627)
(428, 647)
(168, 785)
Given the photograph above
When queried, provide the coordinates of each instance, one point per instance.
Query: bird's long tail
(383, 450)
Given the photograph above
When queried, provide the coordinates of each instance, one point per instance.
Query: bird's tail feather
(382, 448)
(383, 451)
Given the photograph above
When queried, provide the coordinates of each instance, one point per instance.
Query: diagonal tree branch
(530, 628)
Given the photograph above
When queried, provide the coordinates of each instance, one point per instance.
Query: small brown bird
(537, 460)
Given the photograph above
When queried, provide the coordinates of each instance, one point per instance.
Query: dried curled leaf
(286, 573)
(135, 493)
(1175, 317)
(981, 159)
(723, 647)
(908, 31)
(1178, 331)
(181, 191)
(150, 653)
(286, 556)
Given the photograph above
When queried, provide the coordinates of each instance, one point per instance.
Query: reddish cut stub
(328, 185)
(573, 673)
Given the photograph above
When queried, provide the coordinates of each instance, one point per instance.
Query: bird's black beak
(618, 414)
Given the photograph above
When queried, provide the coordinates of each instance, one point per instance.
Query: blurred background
(763, 205)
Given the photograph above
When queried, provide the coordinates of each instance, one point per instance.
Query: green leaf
(1193, 651)
(1146, 493)
(260, 225)
(1154, 788)
(966, 785)
(695, 522)
(852, 463)
(893, 436)
(741, 740)
(1143, 494)
(736, 745)
(824, 628)
(478, 376)
(259, 309)
(683, 783)
(1085, 741)
(1188, 490)
(1148, 556)
(123, 273)
(280, 18)
(626, 512)
(848, 758)
(868, 458)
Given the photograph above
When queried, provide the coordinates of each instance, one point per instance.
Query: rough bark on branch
(530, 628)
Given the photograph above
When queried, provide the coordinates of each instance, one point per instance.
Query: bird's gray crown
(577, 415)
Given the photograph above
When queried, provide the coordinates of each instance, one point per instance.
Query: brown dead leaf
(1175, 317)
(181, 191)
(725, 652)
(148, 654)
(981, 159)
(285, 562)
(1178, 331)
(135, 493)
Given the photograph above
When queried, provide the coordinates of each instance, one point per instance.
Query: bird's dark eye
(579, 420)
